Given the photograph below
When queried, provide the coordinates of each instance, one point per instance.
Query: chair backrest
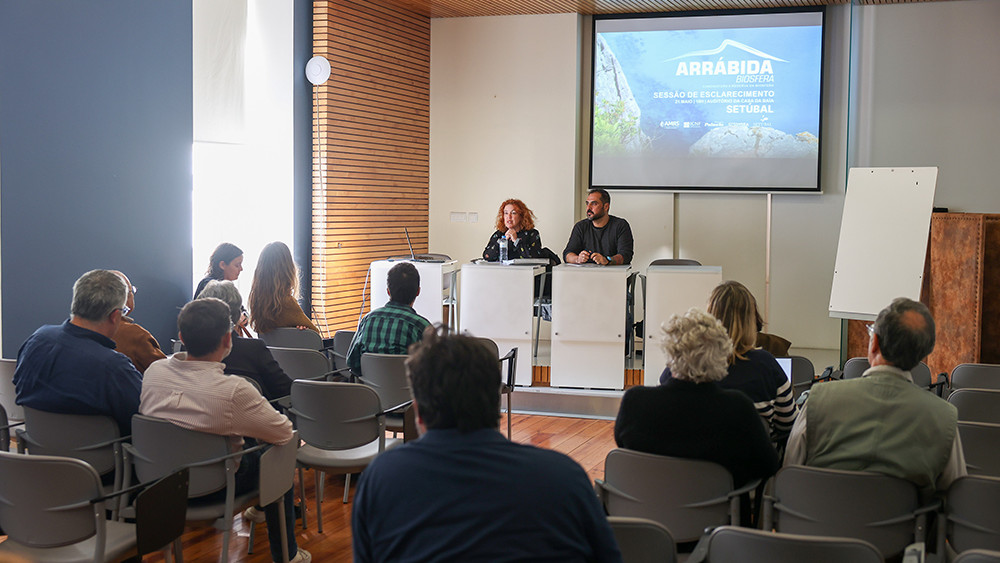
(921, 374)
(684, 495)
(978, 556)
(301, 363)
(90, 438)
(674, 262)
(494, 350)
(36, 513)
(642, 540)
(876, 508)
(292, 337)
(386, 374)
(977, 405)
(337, 416)
(341, 346)
(854, 367)
(730, 543)
(976, 376)
(979, 444)
(803, 374)
(972, 513)
(159, 447)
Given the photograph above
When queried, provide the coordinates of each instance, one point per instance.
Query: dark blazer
(697, 421)
(251, 358)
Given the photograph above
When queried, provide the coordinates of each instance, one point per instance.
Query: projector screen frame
(815, 189)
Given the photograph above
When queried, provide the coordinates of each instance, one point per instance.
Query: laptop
(416, 257)
(786, 366)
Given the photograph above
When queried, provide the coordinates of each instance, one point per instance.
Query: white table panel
(436, 282)
(672, 290)
(588, 326)
(497, 303)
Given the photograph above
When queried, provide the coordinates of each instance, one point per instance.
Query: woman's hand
(511, 235)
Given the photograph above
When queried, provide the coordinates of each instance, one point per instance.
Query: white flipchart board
(671, 290)
(883, 239)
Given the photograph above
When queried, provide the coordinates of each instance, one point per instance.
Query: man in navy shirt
(463, 492)
(73, 368)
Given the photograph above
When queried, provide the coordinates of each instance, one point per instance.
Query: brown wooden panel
(371, 147)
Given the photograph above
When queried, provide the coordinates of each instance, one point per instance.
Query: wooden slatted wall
(371, 136)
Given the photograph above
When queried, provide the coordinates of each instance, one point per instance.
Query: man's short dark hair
(455, 381)
(96, 294)
(605, 196)
(903, 342)
(404, 283)
(202, 324)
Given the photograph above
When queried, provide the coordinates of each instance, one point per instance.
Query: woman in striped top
(753, 371)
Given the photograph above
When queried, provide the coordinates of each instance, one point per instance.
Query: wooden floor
(586, 441)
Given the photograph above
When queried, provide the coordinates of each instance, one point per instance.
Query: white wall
(504, 122)
(504, 113)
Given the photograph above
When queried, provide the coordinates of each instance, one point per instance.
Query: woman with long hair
(273, 295)
(753, 371)
(515, 223)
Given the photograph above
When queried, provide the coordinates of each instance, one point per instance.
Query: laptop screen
(786, 366)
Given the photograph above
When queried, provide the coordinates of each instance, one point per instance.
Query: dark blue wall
(95, 156)
(302, 151)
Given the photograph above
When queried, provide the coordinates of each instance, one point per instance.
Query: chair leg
(320, 479)
(284, 530)
(178, 551)
(347, 486)
(509, 396)
(224, 556)
(302, 497)
(253, 529)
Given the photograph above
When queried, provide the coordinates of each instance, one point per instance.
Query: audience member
(274, 292)
(600, 238)
(190, 390)
(515, 223)
(392, 328)
(881, 421)
(753, 371)
(226, 263)
(73, 368)
(462, 492)
(249, 356)
(133, 340)
(690, 415)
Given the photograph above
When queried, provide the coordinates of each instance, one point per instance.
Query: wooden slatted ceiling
(371, 135)
(471, 8)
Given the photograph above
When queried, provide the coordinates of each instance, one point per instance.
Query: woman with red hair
(516, 223)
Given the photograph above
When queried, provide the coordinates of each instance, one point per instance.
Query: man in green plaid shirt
(390, 329)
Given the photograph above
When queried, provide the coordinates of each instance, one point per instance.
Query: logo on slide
(722, 47)
(726, 67)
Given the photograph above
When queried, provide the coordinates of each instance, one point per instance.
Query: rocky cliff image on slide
(616, 113)
(755, 142)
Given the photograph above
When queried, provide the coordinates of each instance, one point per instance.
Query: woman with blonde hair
(691, 416)
(273, 295)
(753, 371)
(515, 223)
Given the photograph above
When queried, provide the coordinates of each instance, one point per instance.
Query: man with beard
(601, 238)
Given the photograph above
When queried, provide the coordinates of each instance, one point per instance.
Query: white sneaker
(254, 515)
(302, 556)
